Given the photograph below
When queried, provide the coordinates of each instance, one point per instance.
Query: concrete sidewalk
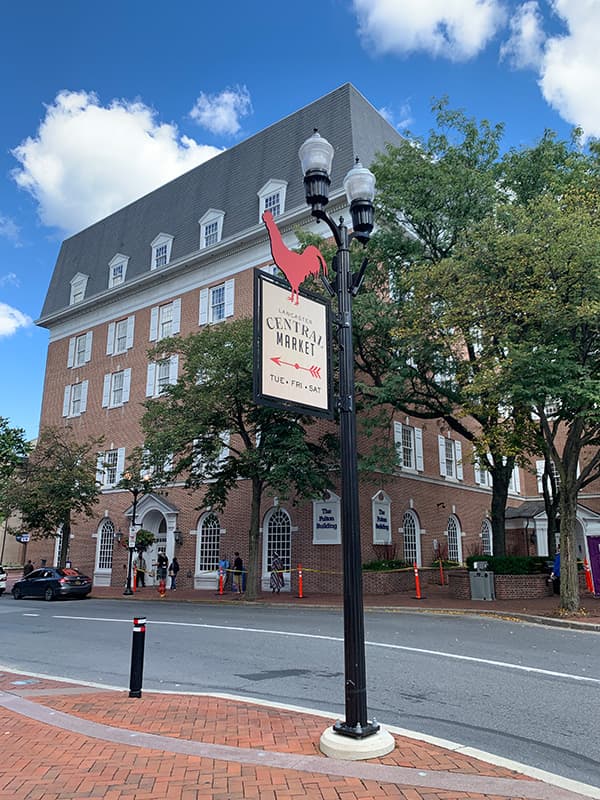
(64, 741)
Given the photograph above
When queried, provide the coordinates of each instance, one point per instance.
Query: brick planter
(507, 587)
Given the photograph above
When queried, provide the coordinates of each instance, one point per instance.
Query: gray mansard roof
(228, 182)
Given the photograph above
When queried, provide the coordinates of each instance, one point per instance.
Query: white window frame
(514, 484)
(210, 524)
(208, 220)
(411, 526)
(271, 188)
(103, 475)
(104, 547)
(119, 337)
(154, 381)
(453, 528)
(117, 269)
(452, 447)
(277, 533)
(80, 350)
(487, 540)
(159, 319)
(207, 306)
(75, 399)
(408, 434)
(159, 253)
(78, 288)
(110, 389)
(481, 473)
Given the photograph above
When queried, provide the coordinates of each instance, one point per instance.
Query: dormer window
(272, 198)
(78, 287)
(161, 250)
(211, 228)
(117, 268)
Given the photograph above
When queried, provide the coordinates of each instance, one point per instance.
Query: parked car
(52, 582)
(3, 577)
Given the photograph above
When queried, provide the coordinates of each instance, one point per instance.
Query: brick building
(183, 257)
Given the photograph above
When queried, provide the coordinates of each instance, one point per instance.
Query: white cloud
(9, 229)
(11, 320)
(570, 71)
(10, 279)
(221, 113)
(454, 29)
(88, 160)
(524, 48)
(400, 119)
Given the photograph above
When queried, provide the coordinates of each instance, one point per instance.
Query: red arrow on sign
(314, 370)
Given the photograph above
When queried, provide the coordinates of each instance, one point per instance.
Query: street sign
(292, 348)
(22, 537)
(132, 536)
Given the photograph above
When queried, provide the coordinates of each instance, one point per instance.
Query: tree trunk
(65, 539)
(253, 541)
(569, 581)
(501, 474)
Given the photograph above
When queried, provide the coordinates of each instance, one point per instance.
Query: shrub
(384, 565)
(446, 564)
(512, 565)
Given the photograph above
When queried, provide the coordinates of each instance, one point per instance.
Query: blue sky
(105, 101)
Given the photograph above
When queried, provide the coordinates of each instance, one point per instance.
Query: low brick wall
(506, 587)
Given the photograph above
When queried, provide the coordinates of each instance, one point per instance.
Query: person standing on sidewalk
(238, 568)
(277, 582)
(555, 576)
(140, 570)
(173, 570)
(27, 568)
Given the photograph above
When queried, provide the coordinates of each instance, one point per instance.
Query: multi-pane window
(110, 465)
(210, 543)
(165, 320)
(119, 338)
(161, 374)
(75, 399)
(450, 455)
(279, 538)
(273, 203)
(454, 549)
(105, 545)
(211, 233)
(117, 268)
(217, 303)
(80, 350)
(409, 446)
(80, 347)
(117, 275)
(486, 538)
(116, 388)
(78, 287)
(409, 527)
(160, 256)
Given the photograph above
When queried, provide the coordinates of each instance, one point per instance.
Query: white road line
(405, 648)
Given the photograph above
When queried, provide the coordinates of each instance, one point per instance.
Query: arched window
(104, 550)
(410, 528)
(279, 538)
(454, 543)
(210, 543)
(486, 538)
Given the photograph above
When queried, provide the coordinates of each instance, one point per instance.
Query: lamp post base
(350, 748)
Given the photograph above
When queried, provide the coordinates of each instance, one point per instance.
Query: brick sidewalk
(62, 741)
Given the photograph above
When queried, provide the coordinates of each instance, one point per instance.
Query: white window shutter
(442, 455)
(539, 471)
(71, 356)
(419, 448)
(66, 401)
(84, 393)
(203, 317)
(106, 391)
(176, 325)
(110, 339)
(150, 379)
(173, 369)
(130, 329)
(398, 443)
(154, 324)
(100, 469)
(229, 293)
(517, 479)
(88, 345)
(478, 471)
(120, 463)
(225, 438)
(126, 384)
(458, 456)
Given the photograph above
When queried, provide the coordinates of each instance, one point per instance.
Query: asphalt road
(525, 692)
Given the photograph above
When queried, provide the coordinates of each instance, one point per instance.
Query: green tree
(57, 482)
(13, 448)
(207, 429)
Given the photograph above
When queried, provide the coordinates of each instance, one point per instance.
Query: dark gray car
(52, 582)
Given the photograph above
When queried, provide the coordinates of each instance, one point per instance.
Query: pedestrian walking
(140, 570)
(162, 564)
(277, 581)
(555, 575)
(227, 581)
(173, 570)
(238, 568)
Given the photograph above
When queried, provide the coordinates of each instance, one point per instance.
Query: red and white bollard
(588, 576)
(220, 580)
(300, 592)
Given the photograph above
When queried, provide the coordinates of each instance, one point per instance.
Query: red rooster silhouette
(295, 266)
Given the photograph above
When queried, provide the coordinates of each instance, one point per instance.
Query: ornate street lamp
(136, 487)
(316, 156)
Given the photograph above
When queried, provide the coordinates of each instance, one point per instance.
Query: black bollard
(137, 657)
